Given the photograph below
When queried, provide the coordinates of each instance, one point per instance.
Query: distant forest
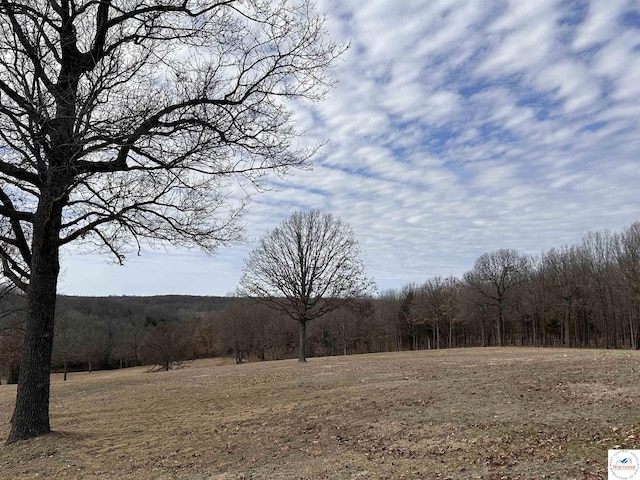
(584, 295)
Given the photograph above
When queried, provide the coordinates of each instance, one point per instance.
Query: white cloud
(571, 82)
(522, 37)
(599, 24)
(456, 128)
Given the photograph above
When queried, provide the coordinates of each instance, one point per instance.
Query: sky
(455, 128)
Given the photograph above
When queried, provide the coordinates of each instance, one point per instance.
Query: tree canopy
(130, 121)
(307, 266)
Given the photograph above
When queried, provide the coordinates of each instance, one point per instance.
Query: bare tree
(94, 342)
(599, 260)
(407, 315)
(628, 258)
(344, 330)
(433, 306)
(307, 266)
(12, 317)
(206, 334)
(67, 343)
(387, 305)
(11, 346)
(80, 338)
(127, 121)
(238, 330)
(166, 345)
(493, 275)
(129, 340)
(565, 268)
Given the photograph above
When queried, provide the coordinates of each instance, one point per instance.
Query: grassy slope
(460, 414)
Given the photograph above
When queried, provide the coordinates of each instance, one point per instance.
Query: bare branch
(306, 267)
(130, 121)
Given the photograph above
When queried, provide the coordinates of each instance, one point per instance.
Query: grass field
(513, 413)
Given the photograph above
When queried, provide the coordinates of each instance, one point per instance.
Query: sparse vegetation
(492, 413)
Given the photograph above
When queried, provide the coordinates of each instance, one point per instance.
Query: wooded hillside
(585, 295)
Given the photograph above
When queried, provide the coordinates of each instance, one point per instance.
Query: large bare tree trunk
(160, 174)
(31, 414)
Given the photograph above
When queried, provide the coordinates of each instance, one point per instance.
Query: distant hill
(167, 307)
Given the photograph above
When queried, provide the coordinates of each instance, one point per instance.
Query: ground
(492, 413)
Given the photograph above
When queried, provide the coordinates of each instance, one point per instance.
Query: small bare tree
(493, 275)
(166, 346)
(130, 339)
(237, 324)
(307, 266)
(435, 305)
(126, 121)
(407, 318)
(67, 343)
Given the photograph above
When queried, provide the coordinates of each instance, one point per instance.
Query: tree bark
(302, 353)
(500, 329)
(567, 324)
(31, 414)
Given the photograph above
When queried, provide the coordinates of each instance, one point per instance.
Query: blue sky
(456, 128)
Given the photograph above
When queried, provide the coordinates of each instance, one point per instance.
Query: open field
(515, 413)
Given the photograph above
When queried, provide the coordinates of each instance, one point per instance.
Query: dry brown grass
(459, 414)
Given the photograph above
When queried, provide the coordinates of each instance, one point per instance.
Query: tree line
(583, 295)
